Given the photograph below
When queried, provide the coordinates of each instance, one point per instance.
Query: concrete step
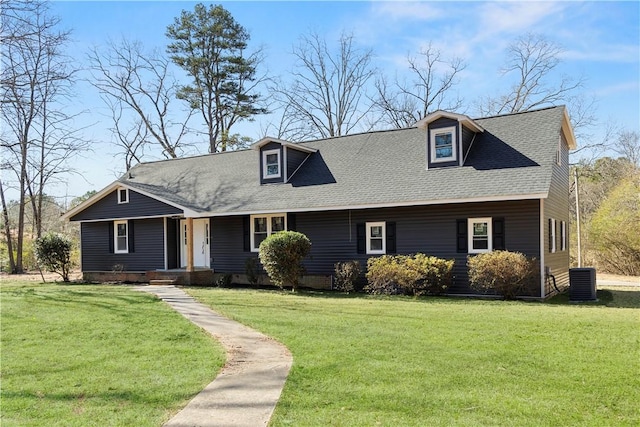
(159, 282)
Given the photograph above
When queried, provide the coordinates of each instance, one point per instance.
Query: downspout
(542, 251)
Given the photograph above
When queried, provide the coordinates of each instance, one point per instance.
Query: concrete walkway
(246, 390)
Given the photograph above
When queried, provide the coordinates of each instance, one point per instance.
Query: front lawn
(365, 361)
(97, 355)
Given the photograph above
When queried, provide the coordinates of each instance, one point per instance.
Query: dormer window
(443, 145)
(123, 195)
(271, 164)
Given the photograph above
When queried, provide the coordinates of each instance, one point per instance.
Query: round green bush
(282, 254)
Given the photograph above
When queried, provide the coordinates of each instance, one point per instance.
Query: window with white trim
(552, 235)
(123, 195)
(263, 226)
(376, 238)
(559, 152)
(443, 145)
(121, 237)
(563, 236)
(271, 164)
(480, 235)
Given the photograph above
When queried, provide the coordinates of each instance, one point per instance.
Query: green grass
(364, 361)
(97, 356)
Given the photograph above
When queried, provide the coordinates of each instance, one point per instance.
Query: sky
(600, 41)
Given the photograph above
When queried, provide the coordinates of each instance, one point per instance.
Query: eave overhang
(461, 118)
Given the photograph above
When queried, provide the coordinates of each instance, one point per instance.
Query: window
(265, 225)
(121, 238)
(563, 236)
(271, 164)
(376, 238)
(443, 145)
(479, 233)
(552, 235)
(123, 195)
(559, 152)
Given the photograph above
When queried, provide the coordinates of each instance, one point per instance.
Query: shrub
(53, 252)
(251, 271)
(346, 274)
(281, 254)
(417, 274)
(382, 275)
(506, 273)
(429, 274)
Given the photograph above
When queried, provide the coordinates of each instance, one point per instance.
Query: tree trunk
(7, 230)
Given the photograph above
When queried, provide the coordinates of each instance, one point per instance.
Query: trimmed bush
(434, 275)
(346, 273)
(281, 254)
(506, 273)
(417, 274)
(251, 270)
(53, 252)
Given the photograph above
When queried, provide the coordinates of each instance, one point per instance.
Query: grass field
(363, 361)
(97, 356)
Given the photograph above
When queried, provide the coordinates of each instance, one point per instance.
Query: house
(450, 186)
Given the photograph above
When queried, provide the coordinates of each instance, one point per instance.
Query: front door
(200, 243)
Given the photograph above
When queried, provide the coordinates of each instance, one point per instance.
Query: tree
(628, 146)
(37, 139)
(324, 98)
(403, 103)
(138, 88)
(282, 254)
(532, 59)
(53, 252)
(211, 47)
(615, 228)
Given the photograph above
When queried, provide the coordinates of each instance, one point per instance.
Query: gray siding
(139, 206)
(294, 160)
(148, 246)
(429, 229)
(556, 206)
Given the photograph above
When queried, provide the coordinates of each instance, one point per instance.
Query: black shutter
(550, 235)
(246, 233)
(361, 238)
(461, 233)
(110, 235)
(498, 234)
(291, 222)
(130, 236)
(391, 237)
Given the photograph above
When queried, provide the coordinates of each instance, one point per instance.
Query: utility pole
(578, 217)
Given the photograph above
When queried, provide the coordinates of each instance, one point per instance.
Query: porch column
(189, 244)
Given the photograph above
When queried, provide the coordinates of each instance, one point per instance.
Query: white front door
(200, 243)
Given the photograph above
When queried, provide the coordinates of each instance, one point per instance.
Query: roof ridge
(521, 112)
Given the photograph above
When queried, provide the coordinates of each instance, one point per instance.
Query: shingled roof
(512, 159)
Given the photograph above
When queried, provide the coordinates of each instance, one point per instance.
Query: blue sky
(601, 42)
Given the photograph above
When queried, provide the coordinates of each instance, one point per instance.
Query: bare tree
(402, 103)
(628, 146)
(326, 90)
(211, 46)
(533, 60)
(138, 88)
(36, 81)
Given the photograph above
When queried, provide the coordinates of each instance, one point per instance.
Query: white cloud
(420, 11)
(515, 17)
(604, 53)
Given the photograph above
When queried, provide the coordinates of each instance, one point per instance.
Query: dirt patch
(32, 276)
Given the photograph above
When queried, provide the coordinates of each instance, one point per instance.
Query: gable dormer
(449, 138)
(279, 160)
